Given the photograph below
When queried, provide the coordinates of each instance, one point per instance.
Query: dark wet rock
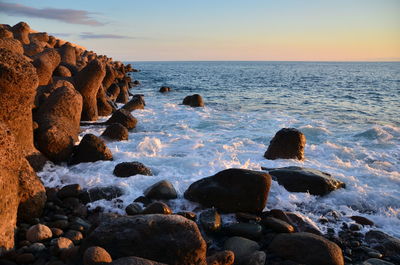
(362, 220)
(12, 45)
(116, 131)
(18, 81)
(388, 245)
(225, 257)
(62, 71)
(162, 190)
(144, 200)
(124, 118)
(256, 258)
(277, 225)
(109, 78)
(133, 209)
(25, 258)
(232, 190)
(72, 190)
(96, 256)
(210, 220)
(189, 215)
(135, 261)
(123, 96)
(247, 217)
(164, 89)
(246, 230)
(113, 92)
(21, 32)
(91, 149)
(38, 233)
(74, 236)
(61, 244)
(241, 247)
(88, 81)
(37, 161)
(171, 239)
(194, 101)
(127, 169)
(302, 224)
(288, 143)
(157, 208)
(375, 261)
(298, 179)
(58, 120)
(100, 193)
(137, 102)
(306, 248)
(104, 105)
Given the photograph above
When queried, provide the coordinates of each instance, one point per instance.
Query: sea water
(349, 113)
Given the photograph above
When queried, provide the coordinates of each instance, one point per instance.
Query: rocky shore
(50, 88)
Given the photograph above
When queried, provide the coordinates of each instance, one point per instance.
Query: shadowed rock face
(194, 101)
(5, 33)
(58, 120)
(137, 102)
(113, 91)
(18, 82)
(91, 149)
(307, 248)
(124, 118)
(21, 32)
(298, 179)
(109, 78)
(232, 190)
(123, 96)
(67, 53)
(88, 81)
(21, 190)
(39, 36)
(45, 63)
(116, 131)
(104, 107)
(171, 239)
(288, 143)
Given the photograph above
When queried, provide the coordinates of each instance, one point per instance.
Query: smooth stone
(247, 230)
(242, 247)
(247, 217)
(56, 231)
(74, 235)
(61, 244)
(210, 220)
(100, 193)
(37, 247)
(72, 190)
(162, 190)
(127, 169)
(277, 225)
(133, 209)
(375, 261)
(157, 208)
(25, 258)
(256, 258)
(96, 256)
(362, 220)
(38, 233)
(189, 215)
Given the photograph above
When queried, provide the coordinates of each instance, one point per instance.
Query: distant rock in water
(298, 179)
(124, 118)
(164, 89)
(232, 190)
(127, 169)
(116, 131)
(137, 102)
(162, 190)
(194, 101)
(91, 149)
(288, 143)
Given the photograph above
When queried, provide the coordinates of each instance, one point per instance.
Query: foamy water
(183, 144)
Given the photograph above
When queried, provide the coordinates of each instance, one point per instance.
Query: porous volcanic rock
(45, 63)
(21, 32)
(12, 45)
(116, 131)
(104, 106)
(124, 118)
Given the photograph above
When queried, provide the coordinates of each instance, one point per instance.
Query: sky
(248, 30)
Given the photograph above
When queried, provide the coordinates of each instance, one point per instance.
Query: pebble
(95, 256)
(246, 230)
(61, 243)
(75, 236)
(56, 231)
(374, 254)
(37, 247)
(62, 224)
(157, 208)
(210, 220)
(38, 233)
(133, 209)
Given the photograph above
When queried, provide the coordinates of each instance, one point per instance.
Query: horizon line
(305, 61)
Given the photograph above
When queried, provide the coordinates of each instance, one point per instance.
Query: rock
(189, 215)
(38, 233)
(18, 81)
(127, 169)
(33, 48)
(116, 131)
(225, 257)
(58, 120)
(210, 220)
(288, 143)
(37, 247)
(306, 248)
(194, 101)
(12, 45)
(109, 78)
(57, 232)
(232, 190)
(135, 261)
(88, 81)
(62, 71)
(124, 118)
(100, 193)
(298, 179)
(362, 220)
(388, 245)
(171, 239)
(72, 190)
(164, 89)
(133, 209)
(6, 33)
(25, 258)
(123, 96)
(256, 258)
(39, 36)
(21, 32)
(104, 107)
(162, 190)
(67, 53)
(157, 208)
(113, 92)
(302, 223)
(277, 225)
(96, 256)
(375, 261)
(242, 248)
(137, 102)
(246, 230)
(74, 236)
(60, 244)
(45, 63)
(91, 149)
(246, 217)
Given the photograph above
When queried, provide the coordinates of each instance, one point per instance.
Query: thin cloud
(89, 35)
(71, 16)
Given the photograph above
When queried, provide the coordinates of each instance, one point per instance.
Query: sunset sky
(159, 30)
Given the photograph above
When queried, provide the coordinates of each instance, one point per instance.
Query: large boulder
(109, 78)
(135, 261)
(45, 63)
(298, 179)
(18, 82)
(21, 32)
(170, 239)
(39, 36)
(306, 248)
(388, 245)
(123, 96)
(22, 193)
(67, 53)
(91, 149)
(288, 143)
(58, 119)
(116, 131)
(232, 190)
(103, 103)
(127, 169)
(87, 82)
(124, 118)
(12, 45)
(113, 91)
(194, 101)
(6, 32)
(137, 102)
(34, 47)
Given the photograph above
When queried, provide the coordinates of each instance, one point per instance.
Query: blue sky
(220, 30)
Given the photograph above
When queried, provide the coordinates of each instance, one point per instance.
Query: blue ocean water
(348, 112)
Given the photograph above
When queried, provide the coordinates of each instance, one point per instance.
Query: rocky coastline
(49, 89)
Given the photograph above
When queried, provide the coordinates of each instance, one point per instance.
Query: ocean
(349, 113)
